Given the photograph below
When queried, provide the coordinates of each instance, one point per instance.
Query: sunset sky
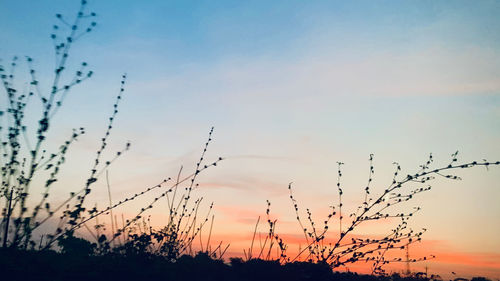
(291, 88)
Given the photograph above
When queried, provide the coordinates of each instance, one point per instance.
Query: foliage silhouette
(24, 165)
(50, 265)
(135, 249)
(349, 247)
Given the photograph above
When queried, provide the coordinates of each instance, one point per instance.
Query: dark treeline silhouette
(78, 265)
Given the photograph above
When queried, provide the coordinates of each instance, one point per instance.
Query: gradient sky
(291, 87)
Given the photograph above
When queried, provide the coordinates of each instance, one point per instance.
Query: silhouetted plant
(271, 247)
(75, 246)
(348, 248)
(182, 227)
(23, 160)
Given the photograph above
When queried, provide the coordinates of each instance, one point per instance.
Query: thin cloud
(248, 183)
(259, 157)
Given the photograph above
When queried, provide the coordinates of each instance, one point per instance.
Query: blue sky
(291, 87)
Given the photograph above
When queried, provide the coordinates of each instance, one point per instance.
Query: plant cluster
(27, 167)
(349, 247)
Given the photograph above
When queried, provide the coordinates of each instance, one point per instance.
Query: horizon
(291, 89)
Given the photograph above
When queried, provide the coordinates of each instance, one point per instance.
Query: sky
(291, 88)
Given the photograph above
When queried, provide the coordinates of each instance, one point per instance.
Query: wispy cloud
(248, 184)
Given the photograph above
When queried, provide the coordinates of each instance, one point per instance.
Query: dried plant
(182, 227)
(348, 247)
(24, 160)
(28, 167)
(271, 247)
